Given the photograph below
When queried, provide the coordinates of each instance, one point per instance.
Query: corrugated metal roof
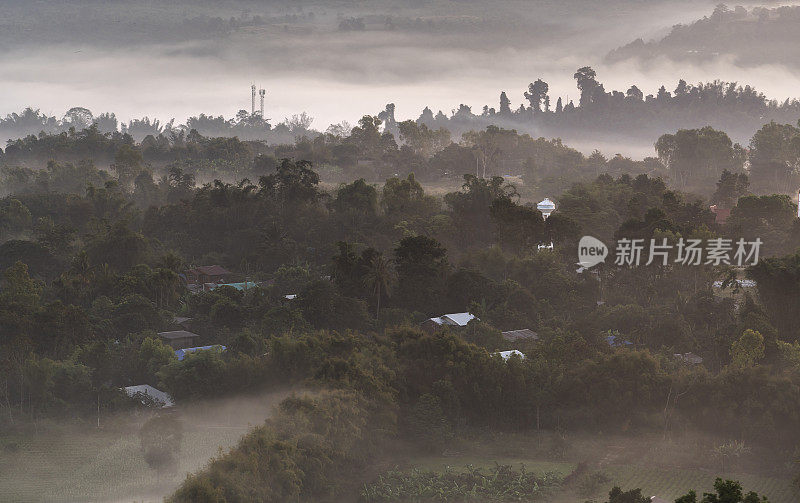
(177, 334)
(507, 354)
(525, 333)
(458, 319)
(159, 397)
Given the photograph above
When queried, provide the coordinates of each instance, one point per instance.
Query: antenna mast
(253, 99)
(262, 93)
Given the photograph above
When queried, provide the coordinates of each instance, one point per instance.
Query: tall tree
(775, 157)
(587, 84)
(536, 94)
(380, 279)
(696, 158)
(421, 271)
(505, 105)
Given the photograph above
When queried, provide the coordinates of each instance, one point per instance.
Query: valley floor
(68, 464)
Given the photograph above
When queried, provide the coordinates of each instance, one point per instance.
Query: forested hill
(735, 32)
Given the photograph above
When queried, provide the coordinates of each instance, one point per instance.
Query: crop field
(664, 482)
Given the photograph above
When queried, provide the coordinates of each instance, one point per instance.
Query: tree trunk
(378, 303)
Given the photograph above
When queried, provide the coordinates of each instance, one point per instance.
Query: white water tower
(546, 206)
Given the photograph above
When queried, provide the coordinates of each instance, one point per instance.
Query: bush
(311, 445)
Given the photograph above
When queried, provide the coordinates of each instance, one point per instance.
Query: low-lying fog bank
(79, 462)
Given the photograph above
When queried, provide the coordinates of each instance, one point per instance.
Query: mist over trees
(600, 114)
(736, 32)
(393, 280)
(98, 231)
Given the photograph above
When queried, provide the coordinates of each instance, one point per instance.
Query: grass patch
(499, 483)
(562, 468)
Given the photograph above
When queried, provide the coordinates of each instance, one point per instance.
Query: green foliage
(727, 491)
(421, 264)
(774, 153)
(746, 351)
(427, 424)
(97, 277)
(324, 307)
(19, 289)
(205, 374)
(617, 495)
(153, 355)
(730, 187)
(300, 453)
(698, 157)
(778, 281)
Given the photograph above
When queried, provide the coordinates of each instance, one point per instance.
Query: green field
(667, 468)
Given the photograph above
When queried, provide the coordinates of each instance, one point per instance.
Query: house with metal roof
(149, 396)
(178, 339)
(508, 354)
(689, 358)
(524, 334)
(447, 320)
(207, 274)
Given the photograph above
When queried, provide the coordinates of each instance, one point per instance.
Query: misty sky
(337, 76)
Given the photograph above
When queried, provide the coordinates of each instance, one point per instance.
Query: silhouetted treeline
(599, 115)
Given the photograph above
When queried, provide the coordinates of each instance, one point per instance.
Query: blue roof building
(616, 342)
(181, 353)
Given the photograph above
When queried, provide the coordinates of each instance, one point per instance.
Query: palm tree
(82, 272)
(380, 278)
(165, 286)
(172, 261)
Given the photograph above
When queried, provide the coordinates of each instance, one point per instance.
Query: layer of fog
(69, 470)
(336, 76)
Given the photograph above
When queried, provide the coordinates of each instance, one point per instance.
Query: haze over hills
(175, 60)
(325, 251)
(754, 37)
